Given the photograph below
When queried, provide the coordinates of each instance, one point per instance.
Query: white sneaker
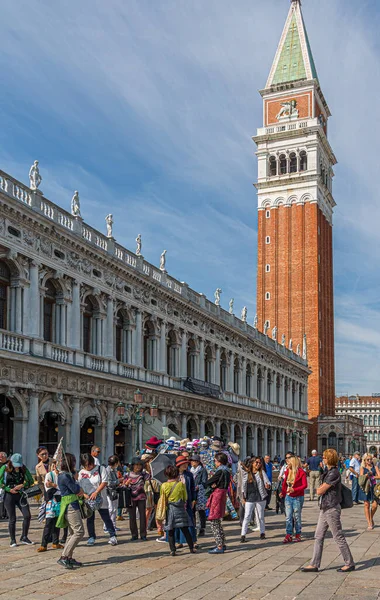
(113, 541)
(162, 539)
(255, 528)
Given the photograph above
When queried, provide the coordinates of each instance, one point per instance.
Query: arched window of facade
(286, 390)
(300, 397)
(278, 389)
(370, 420)
(192, 429)
(259, 384)
(5, 280)
(370, 436)
(332, 440)
(248, 381)
(208, 365)
(236, 376)
(50, 311)
(272, 166)
(293, 162)
(365, 421)
(303, 161)
(375, 420)
(172, 350)
(269, 387)
(150, 344)
(283, 164)
(375, 437)
(191, 358)
(209, 429)
(223, 371)
(224, 433)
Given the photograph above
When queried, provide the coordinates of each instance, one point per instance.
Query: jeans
(76, 531)
(249, 508)
(355, 489)
(293, 508)
(330, 519)
(105, 516)
(10, 503)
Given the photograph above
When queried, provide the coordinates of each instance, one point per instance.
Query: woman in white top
(93, 479)
(254, 494)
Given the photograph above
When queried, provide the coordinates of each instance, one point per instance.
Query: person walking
(372, 473)
(3, 512)
(330, 492)
(14, 479)
(200, 479)
(355, 471)
(93, 479)
(294, 484)
(69, 514)
(173, 495)
(152, 490)
(53, 507)
(268, 466)
(111, 490)
(218, 486)
(314, 464)
(42, 468)
(255, 491)
(95, 453)
(182, 464)
(136, 482)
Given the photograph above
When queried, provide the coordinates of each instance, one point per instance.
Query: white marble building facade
(367, 409)
(84, 322)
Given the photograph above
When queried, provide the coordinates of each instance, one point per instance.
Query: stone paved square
(260, 569)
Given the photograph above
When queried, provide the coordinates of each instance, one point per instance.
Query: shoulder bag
(346, 501)
(156, 495)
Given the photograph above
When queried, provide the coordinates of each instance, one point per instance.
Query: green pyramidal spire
(294, 60)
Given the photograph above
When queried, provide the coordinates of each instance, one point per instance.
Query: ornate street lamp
(138, 397)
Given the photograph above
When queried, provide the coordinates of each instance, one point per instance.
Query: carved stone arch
(94, 299)
(17, 264)
(150, 325)
(210, 350)
(89, 409)
(267, 203)
(292, 199)
(305, 198)
(173, 335)
(279, 201)
(53, 403)
(210, 426)
(19, 400)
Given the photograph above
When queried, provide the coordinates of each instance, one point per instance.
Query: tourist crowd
(177, 487)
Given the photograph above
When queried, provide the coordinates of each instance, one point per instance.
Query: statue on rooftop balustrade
(218, 291)
(139, 244)
(34, 176)
(75, 205)
(274, 333)
(255, 321)
(244, 313)
(163, 261)
(283, 340)
(231, 305)
(109, 223)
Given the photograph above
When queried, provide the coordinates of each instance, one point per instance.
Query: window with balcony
(5, 280)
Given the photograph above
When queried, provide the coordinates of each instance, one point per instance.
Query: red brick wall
(301, 286)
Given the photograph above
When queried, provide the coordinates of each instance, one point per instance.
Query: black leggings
(51, 532)
(186, 533)
(10, 503)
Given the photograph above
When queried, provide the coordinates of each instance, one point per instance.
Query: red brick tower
(295, 209)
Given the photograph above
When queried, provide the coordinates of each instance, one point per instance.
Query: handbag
(125, 497)
(364, 483)
(156, 495)
(346, 501)
(112, 494)
(85, 510)
(33, 491)
(95, 504)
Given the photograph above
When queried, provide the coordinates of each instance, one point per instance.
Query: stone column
(183, 361)
(163, 418)
(74, 324)
(243, 378)
(75, 428)
(110, 445)
(232, 431)
(184, 426)
(282, 391)
(109, 350)
(230, 379)
(265, 440)
(33, 429)
(217, 366)
(201, 427)
(138, 356)
(63, 339)
(243, 449)
(254, 381)
(18, 323)
(163, 352)
(217, 427)
(33, 323)
(201, 363)
(265, 384)
(283, 449)
(255, 440)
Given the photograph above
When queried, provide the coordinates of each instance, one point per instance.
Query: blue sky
(147, 107)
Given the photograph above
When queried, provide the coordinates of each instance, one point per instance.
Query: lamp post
(294, 436)
(134, 415)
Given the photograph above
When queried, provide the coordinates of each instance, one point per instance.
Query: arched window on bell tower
(283, 164)
(303, 160)
(293, 162)
(272, 166)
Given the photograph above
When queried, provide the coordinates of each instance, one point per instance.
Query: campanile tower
(295, 210)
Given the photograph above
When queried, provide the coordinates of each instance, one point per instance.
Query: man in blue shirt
(314, 464)
(268, 466)
(355, 470)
